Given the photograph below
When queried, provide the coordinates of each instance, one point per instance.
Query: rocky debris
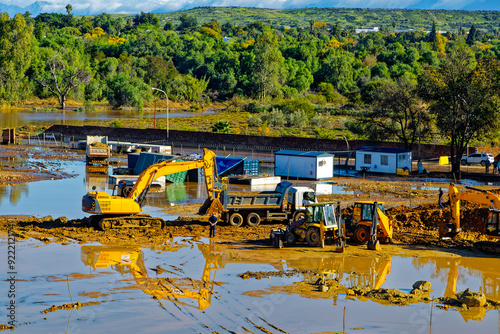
(269, 274)
(4, 327)
(423, 286)
(77, 305)
(467, 300)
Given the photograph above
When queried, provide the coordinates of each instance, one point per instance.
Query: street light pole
(152, 88)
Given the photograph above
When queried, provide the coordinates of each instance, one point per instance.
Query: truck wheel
(361, 234)
(253, 219)
(313, 237)
(236, 219)
(290, 238)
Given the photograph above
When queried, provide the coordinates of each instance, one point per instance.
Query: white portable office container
(303, 165)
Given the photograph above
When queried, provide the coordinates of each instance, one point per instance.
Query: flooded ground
(18, 118)
(177, 281)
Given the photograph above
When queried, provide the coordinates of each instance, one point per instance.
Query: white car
(477, 158)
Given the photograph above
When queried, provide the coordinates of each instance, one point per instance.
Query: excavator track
(105, 222)
(491, 247)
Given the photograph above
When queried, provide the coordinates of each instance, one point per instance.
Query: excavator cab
(493, 224)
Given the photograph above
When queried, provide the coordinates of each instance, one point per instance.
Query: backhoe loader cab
(493, 224)
(359, 224)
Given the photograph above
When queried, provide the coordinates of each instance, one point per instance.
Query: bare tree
(61, 78)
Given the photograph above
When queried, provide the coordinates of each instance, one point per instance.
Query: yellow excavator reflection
(131, 260)
(452, 270)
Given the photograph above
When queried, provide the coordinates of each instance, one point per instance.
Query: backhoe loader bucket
(374, 245)
(212, 206)
(339, 246)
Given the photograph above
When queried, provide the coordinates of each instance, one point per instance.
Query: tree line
(409, 86)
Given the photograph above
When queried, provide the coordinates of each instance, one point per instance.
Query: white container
(303, 165)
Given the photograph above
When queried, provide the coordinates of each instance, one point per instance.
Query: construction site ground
(299, 280)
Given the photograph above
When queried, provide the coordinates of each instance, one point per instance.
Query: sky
(82, 7)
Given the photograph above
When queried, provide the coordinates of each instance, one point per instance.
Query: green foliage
(289, 107)
(126, 91)
(222, 127)
(116, 124)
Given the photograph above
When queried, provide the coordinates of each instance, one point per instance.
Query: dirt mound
(430, 216)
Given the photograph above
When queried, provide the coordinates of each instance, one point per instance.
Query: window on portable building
(384, 160)
(367, 159)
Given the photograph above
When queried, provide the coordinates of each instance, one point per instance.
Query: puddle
(195, 287)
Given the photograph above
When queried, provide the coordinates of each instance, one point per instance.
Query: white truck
(98, 150)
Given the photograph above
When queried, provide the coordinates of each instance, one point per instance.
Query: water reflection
(168, 284)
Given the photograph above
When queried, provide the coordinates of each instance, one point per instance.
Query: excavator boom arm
(160, 169)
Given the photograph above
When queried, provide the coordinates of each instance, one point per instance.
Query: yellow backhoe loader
(123, 210)
(360, 225)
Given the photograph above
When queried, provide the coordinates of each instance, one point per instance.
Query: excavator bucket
(211, 206)
(448, 230)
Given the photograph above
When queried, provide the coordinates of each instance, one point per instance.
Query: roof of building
(303, 153)
(382, 149)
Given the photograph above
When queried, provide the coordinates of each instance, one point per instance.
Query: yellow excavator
(123, 209)
(474, 195)
(131, 260)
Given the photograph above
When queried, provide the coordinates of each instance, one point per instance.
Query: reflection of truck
(98, 150)
(266, 205)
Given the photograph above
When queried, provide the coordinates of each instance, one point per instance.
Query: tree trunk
(63, 102)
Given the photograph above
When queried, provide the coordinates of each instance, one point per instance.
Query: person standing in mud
(440, 201)
(213, 223)
(487, 166)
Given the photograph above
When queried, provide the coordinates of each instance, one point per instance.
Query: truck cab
(298, 198)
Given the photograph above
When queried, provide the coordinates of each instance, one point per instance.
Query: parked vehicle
(319, 223)
(252, 208)
(98, 150)
(477, 158)
(359, 224)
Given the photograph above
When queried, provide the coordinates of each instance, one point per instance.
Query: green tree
(188, 24)
(398, 112)
(432, 34)
(64, 72)
(463, 94)
(69, 8)
(222, 127)
(16, 52)
(269, 64)
(124, 90)
(472, 36)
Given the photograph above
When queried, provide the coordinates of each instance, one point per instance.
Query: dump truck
(98, 150)
(284, 203)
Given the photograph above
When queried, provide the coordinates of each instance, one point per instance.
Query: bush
(254, 120)
(321, 121)
(298, 119)
(291, 106)
(316, 99)
(116, 124)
